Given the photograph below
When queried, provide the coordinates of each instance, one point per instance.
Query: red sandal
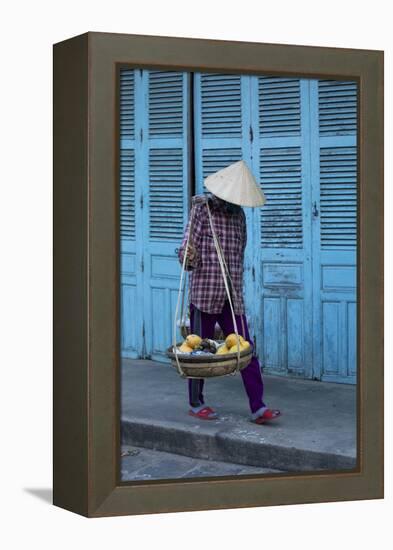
(268, 414)
(206, 413)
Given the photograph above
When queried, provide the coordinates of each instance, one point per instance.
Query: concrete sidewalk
(317, 430)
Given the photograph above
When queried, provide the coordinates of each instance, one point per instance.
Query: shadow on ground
(43, 494)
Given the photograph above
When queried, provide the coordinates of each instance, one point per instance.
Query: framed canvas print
(218, 274)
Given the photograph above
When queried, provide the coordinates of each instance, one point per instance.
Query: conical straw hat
(235, 183)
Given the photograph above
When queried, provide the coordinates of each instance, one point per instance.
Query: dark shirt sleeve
(195, 238)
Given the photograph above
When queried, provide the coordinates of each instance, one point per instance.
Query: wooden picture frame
(86, 411)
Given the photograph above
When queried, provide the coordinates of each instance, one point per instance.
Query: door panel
(299, 138)
(334, 230)
(154, 188)
(130, 230)
(165, 191)
(267, 123)
(282, 251)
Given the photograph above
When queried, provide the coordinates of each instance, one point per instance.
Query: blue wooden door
(260, 120)
(299, 138)
(300, 257)
(160, 190)
(282, 283)
(334, 210)
(130, 222)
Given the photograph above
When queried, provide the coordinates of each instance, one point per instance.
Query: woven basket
(208, 366)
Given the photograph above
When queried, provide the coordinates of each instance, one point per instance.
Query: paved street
(145, 464)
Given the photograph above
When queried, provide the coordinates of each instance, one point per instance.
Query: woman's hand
(191, 252)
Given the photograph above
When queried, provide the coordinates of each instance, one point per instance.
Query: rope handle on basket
(179, 369)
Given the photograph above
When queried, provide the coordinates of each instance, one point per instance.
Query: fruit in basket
(231, 340)
(242, 346)
(193, 341)
(222, 350)
(184, 348)
(207, 345)
(233, 349)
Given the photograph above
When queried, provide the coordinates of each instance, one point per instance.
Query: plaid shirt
(207, 289)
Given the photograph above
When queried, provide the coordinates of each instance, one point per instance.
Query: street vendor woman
(228, 190)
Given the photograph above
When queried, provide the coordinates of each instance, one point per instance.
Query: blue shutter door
(130, 230)
(164, 181)
(299, 138)
(154, 195)
(282, 252)
(334, 229)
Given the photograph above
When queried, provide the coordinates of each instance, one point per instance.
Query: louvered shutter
(164, 176)
(281, 181)
(338, 163)
(279, 107)
(280, 167)
(338, 176)
(166, 161)
(337, 102)
(154, 193)
(131, 328)
(219, 123)
(166, 194)
(127, 153)
(220, 97)
(127, 194)
(281, 256)
(335, 240)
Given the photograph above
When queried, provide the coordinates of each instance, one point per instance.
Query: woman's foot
(265, 415)
(203, 412)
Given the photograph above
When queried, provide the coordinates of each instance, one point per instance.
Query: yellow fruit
(231, 340)
(185, 349)
(233, 349)
(193, 340)
(243, 345)
(222, 350)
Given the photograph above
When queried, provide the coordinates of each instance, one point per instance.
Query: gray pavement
(317, 430)
(139, 464)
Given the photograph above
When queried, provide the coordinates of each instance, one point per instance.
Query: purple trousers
(203, 324)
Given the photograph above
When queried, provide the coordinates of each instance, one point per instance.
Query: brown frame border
(86, 267)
